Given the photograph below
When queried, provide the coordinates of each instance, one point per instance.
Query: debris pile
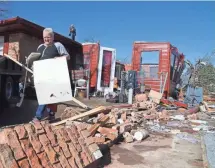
(107, 125)
(75, 140)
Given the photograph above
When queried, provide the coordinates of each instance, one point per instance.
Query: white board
(52, 81)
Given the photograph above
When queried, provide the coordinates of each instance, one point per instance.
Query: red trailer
(170, 62)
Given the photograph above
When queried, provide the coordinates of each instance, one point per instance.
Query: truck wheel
(9, 88)
(7, 91)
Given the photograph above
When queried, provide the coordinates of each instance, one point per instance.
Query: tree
(206, 74)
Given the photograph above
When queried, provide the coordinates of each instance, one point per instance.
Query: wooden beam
(79, 103)
(88, 113)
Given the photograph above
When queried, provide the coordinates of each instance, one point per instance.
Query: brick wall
(21, 45)
(28, 44)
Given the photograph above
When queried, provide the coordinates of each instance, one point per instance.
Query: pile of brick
(108, 127)
(40, 145)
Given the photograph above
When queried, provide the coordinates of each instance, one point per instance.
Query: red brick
(73, 149)
(111, 136)
(13, 141)
(123, 116)
(116, 127)
(21, 132)
(31, 154)
(81, 126)
(113, 119)
(38, 127)
(92, 130)
(85, 159)
(85, 149)
(100, 115)
(78, 147)
(44, 139)
(57, 149)
(65, 149)
(93, 147)
(85, 133)
(72, 162)
(3, 139)
(35, 143)
(89, 140)
(64, 135)
(75, 154)
(57, 165)
(103, 119)
(1, 164)
(74, 131)
(52, 155)
(58, 135)
(24, 163)
(29, 128)
(50, 134)
(99, 140)
(6, 157)
(44, 160)
(62, 159)
(106, 131)
(71, 136)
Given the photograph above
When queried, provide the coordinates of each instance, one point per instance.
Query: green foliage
(206, 74)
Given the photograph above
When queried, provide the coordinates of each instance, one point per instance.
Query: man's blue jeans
(40, 111)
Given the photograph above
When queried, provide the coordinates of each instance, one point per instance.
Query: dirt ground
(157, 151)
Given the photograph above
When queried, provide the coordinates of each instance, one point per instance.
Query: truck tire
(7, 90)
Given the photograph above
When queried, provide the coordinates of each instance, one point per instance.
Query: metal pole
(130, 96)
(164, 83)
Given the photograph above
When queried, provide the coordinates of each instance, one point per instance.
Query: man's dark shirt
(55, 50)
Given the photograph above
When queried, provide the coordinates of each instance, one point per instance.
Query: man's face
(48, 39)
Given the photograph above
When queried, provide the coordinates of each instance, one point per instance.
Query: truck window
(1, 45)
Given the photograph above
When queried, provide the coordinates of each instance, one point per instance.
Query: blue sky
(190, 26)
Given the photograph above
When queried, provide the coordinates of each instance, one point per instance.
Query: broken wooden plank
(17, 62)
(79, 103)
(88, 113)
